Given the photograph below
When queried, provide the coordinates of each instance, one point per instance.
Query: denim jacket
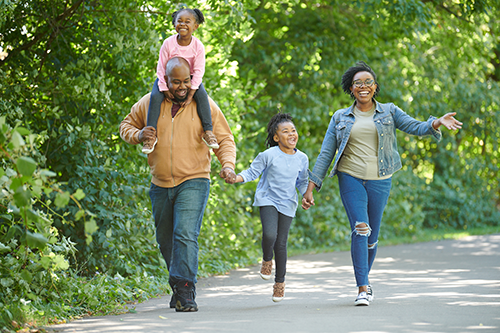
(387, 117)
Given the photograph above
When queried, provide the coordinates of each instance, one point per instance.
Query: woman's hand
(447, 121)
(308, 200)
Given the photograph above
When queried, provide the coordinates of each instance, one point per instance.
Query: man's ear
(276, 138)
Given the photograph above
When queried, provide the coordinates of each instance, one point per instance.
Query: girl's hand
(307, 200)
(447, 121)
(168, 96)
(189, 99)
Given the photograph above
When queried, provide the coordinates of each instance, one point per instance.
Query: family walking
(176, 123)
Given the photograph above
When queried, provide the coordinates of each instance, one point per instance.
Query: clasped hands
(228, 175)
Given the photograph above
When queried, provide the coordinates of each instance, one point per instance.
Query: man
(180, 166)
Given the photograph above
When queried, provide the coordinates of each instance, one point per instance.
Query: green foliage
(70, 73)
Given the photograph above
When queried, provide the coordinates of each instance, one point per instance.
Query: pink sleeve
(162, 62)
(198, 69)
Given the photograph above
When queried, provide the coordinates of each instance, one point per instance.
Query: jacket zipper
(172, 145)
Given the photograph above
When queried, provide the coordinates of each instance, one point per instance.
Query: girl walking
(185, 45)
(284, 169)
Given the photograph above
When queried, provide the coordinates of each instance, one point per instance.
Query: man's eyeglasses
(359, 83)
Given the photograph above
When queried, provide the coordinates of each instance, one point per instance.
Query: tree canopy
(71, 70)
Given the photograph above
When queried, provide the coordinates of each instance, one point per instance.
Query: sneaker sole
(213, 146)
(149, 151)
(277, 299)
(265, 277)
(186, 309)
(362, 302)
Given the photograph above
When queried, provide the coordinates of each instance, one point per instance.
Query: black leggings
(202, 106)
(275, 227)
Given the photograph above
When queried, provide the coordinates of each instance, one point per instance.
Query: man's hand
(147, 133)
(228, 175)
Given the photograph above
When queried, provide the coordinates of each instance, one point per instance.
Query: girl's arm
(255, 170)
(308, 200)
(189, 98)
(302, 178)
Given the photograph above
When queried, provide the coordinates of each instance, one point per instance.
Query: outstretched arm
(447, 121)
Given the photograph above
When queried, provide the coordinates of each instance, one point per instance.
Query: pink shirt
(194, 53)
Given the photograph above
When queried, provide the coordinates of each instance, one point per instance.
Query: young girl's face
(286, 136)
(185, 24)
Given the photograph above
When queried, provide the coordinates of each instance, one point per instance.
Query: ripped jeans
(364, 202)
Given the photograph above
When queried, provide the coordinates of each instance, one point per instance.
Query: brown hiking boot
(266, 269)
(278, 291)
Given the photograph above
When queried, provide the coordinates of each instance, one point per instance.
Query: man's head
(178, 78)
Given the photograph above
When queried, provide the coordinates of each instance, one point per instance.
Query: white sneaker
(362, 299)
(369, 292)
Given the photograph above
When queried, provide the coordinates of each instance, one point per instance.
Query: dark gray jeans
(202, 106)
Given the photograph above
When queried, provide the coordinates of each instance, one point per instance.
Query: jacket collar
(350, 110)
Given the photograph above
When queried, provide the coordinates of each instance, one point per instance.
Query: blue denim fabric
(178, 212)
(364, 202)
(387, 118)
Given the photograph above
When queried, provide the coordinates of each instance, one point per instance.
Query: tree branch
(61, 17)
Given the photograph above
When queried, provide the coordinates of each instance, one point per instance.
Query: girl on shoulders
(185, 45)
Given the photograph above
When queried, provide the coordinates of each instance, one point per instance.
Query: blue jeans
(178, 212)
(364, 202)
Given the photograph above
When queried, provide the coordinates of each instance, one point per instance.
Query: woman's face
(363, 87)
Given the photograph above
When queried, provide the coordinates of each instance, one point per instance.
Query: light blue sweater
(281, 174)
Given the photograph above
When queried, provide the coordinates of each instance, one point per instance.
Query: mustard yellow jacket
(180, 154)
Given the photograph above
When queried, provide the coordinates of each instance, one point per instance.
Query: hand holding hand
(307, 200)
(228, 175)
(448, 121)
(148, 132)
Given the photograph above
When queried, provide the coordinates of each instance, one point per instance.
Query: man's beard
(180, 100)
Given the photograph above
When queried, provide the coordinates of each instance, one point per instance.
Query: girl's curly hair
(197, 14)
(272, 127)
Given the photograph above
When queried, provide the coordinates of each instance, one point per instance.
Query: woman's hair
(347, 77)
(272, 127)
(197, 14)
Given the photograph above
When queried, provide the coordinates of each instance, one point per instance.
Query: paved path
(442, 286)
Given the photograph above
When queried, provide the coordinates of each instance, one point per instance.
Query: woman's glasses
(359, 83)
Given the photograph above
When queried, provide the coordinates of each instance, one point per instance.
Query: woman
(363, 136)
